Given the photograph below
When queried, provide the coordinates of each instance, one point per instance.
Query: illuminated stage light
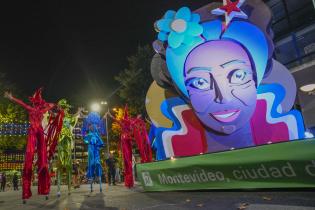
(95, 107)
(309, 88)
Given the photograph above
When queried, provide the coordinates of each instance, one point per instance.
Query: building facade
(294, 35)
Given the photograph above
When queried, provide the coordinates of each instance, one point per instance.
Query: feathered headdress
(93, 119)
(37, 97)
(63, 103)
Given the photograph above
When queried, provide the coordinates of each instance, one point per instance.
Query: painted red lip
(226, 115)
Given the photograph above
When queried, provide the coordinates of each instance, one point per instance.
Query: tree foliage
(119, 114)
(115, 131)
(12, 143)
(136, 79)
(10, 113)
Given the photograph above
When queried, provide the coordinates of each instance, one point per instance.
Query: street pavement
(120, 198)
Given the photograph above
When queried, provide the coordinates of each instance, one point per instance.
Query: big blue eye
(239, 76)
(198, 83)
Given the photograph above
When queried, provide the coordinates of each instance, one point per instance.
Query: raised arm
(79, 112)
(76, 116)
(9, 96)
(108, 114)
(119, 122)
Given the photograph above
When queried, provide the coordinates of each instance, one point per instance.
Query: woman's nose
(223, 93)
(222, 100)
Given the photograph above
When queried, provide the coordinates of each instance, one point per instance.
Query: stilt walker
(45, 145)
(66, 145)
(93, 128)
(132, 129)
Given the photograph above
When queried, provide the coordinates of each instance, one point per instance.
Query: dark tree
(136, 79)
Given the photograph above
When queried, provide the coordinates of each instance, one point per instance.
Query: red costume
(133, 128)
(36, 138)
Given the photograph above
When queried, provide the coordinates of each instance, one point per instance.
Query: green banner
(282, 165)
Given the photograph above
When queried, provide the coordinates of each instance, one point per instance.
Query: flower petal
(175, 39)
(194, 29)
(162, 36)
(188, 40)
(183, 13)
(170, 14)
(164, 25)
(195, 18)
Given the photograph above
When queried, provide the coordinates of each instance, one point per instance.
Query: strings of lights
(14, 129)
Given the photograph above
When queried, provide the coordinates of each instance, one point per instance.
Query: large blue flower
(181, 27)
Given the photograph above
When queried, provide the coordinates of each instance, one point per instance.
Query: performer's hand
(106, 115)
(8, 95)
(80, 109)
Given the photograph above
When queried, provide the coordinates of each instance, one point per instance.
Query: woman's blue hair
(93, 119)
(244, 33)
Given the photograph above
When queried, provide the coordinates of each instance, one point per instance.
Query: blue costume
(93, 127)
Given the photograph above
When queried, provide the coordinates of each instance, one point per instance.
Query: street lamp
(95, 107)
(106, 121)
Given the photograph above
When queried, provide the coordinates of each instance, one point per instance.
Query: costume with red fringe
(37, 140)
(133, 128)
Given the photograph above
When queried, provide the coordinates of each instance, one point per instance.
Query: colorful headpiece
(93, 119)
(37, 97)
(182, 31)
(64, 104)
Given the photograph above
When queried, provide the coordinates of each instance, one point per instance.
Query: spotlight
(95, 107)
(309, 88)
(308, 135)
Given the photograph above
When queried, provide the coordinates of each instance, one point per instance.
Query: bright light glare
(308, 135)
(95, 107)
(308, 88)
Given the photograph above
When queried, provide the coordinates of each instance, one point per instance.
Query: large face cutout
(220, 82)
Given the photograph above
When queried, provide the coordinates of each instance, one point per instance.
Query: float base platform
(281, 165)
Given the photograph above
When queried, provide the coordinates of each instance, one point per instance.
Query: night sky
(75, 48)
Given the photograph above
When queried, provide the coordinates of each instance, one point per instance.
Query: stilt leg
(69, 173)
(100, 179)
(58, 181)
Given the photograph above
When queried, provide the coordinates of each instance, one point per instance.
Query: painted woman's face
(220, 83)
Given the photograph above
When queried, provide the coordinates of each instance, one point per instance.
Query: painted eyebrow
(199, 69)
(232, 62)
